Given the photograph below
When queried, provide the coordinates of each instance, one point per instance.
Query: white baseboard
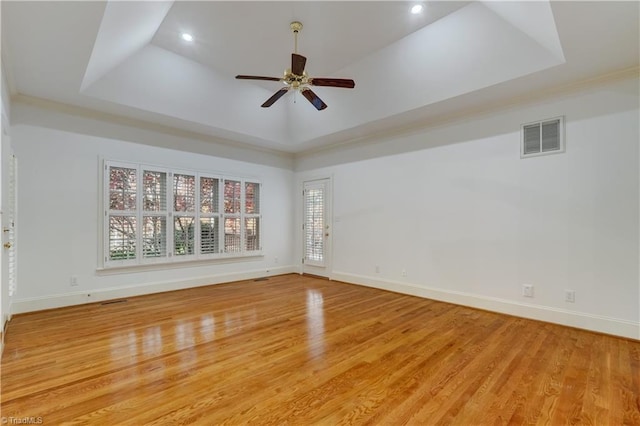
(78, 298)
(601, 324)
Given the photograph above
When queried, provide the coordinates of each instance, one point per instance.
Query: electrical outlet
(570, 296)
(404, 272)
(377, 269)
(73, 281)
(527, 290)
(275, 260)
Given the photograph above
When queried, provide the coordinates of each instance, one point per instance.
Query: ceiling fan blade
(297, 63)
(274, 98)
(333, 82)
(257, 77)
(314, 99)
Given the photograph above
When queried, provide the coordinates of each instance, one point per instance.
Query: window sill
(194, 263)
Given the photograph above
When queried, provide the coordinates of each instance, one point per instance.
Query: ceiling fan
(296, 78)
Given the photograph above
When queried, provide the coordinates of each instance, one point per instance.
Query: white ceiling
(126, 58)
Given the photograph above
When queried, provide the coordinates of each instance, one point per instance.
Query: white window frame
(218, 215)
(193, 214)
(246, 215)
(127, 213)
(166, 213)
(235, 215)
(170, 214)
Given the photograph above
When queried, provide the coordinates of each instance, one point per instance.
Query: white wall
(470, 221)
(58, 197)
(454, 206)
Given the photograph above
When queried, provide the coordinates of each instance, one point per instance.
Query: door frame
(326, 270)
(9, 206)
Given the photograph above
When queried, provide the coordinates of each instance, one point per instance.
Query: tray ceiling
(127, 58)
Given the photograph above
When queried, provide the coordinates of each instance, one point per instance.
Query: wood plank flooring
(300, 350)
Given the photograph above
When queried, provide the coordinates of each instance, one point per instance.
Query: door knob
(7, 245)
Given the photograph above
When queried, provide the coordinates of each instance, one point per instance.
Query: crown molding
(282, 159)
(293, 158)
(477, 112)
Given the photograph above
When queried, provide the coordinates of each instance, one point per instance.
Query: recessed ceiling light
(187, 37)
(417, 9)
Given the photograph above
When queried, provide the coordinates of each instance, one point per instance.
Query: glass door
(316, 227)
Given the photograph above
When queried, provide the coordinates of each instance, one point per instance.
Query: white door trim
(313, 266)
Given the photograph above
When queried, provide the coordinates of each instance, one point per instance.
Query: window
(314, 223)
(209, 215)
(543, 137)
(184, 214)
(232, 230)
(252, 216)
(154, 214)
(157, 215)
(122, 216)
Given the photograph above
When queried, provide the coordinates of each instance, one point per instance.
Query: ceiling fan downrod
(295, 27)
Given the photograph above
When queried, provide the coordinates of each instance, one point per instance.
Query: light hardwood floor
(300, 350)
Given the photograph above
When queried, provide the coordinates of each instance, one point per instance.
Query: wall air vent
(542, 137)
